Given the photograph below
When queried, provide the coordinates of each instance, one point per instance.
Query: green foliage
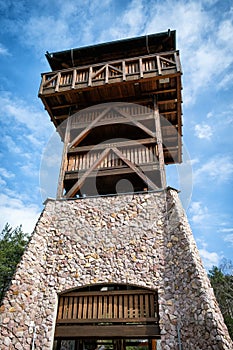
(12, 245)
(222, 282)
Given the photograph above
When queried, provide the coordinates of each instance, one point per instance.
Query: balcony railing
(138, 154)
(108, 307)
(148, 66)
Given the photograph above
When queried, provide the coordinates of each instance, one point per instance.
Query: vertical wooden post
(64, 160)
(58, 82)
(160, 146)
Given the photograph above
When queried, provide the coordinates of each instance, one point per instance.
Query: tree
(222, 284)
(12, 246)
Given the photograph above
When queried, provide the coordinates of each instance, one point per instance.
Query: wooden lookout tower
(112, 263)
(115, 94)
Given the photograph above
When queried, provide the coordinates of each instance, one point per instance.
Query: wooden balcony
(134, 79)
(110, 313)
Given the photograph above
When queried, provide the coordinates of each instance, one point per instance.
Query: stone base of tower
(141, 240)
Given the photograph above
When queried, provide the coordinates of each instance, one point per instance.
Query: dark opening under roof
(120, 49)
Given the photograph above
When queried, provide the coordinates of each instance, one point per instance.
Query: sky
(204, 30)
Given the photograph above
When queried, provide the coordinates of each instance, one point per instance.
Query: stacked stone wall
(143, 240)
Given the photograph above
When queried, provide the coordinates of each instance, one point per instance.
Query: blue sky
(204, 28)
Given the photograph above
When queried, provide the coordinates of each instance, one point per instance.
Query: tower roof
(126, 48)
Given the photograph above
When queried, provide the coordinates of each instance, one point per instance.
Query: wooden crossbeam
(99, 71)
(167, 60)
(136, 123)
(74, 189)
(134, 168)
(86, 131)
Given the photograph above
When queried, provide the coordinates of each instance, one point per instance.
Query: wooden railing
(138, 154)
(111, 72)
(134, 306)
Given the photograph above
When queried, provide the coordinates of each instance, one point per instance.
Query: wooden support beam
(64, 160)
(74, 189)
(147, 141)
(160, 147)
(135, 122)
(110, 331)
(134, 168)
(86, 131)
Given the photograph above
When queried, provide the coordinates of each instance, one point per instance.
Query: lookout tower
(115, 93)
(113, 267)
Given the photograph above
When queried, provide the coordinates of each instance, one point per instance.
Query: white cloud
(203, 131)
(17, 213)
(3, 51)
(11, 145)
(229, 238)
(198, 212)
(226, 230)
(6, 174)
(218, 169)
(209, 259)
(25, 114)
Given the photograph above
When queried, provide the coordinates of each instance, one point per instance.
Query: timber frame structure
(117, 107)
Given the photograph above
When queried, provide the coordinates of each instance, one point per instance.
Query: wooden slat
(126, 306)
(120, 306)
(95, 306)
(116, 308)
(80, 307)
(70, 307)
(136, 313)
(75, 308)
(110, 306)
(147, 307)
(131, 306)
(105, 306)
(85, 307)
(141, 305)
(100, 307)
(65, 309)
(152, 305)
(60, 308)
(90, 307)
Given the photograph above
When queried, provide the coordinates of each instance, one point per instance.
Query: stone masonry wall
(143, 240)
